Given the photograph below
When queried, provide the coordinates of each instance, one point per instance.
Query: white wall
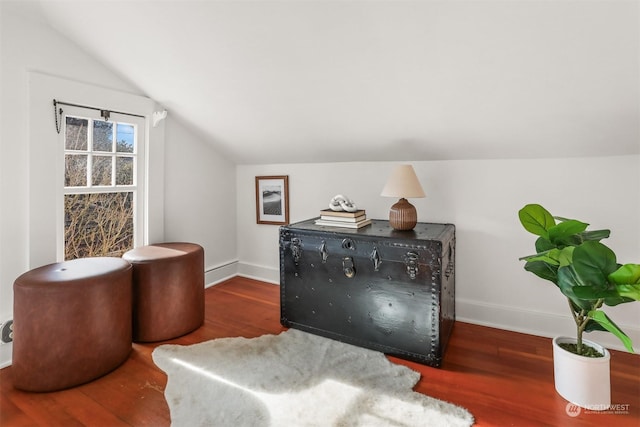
(200, 203)
(482, 199)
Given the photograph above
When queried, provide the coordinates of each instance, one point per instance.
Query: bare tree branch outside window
(98, 223)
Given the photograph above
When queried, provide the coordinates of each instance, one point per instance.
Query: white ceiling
(325, 81)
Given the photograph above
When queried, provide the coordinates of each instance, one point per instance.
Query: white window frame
(138, 188)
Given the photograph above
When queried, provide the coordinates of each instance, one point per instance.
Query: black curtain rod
(105, 114)
(56, 103)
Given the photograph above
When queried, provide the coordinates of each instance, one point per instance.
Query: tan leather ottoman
(72, 322)
(168, 290)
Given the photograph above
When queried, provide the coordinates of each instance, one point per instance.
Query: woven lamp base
(403, 215)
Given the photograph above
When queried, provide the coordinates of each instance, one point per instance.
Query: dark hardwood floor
(502, 378)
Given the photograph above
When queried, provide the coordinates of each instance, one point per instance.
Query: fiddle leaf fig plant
(585, 270)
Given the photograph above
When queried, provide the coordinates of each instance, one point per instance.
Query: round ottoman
(72, 322)
(168, 290)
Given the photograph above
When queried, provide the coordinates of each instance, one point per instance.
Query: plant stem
(581, 319)
(581, 325)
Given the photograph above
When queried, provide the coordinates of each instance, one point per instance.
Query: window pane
(125, 138)
(75, 137)
(75, 170)
(102, 136)
(124, 170)
(101, 170)
(98, 224)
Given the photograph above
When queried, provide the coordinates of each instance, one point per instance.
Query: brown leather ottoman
(168, 290)
(72, 322)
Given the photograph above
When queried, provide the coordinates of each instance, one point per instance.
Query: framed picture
(272, 200)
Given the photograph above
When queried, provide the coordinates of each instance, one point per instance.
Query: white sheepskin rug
(294, 379)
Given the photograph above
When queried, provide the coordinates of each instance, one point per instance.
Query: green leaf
(568, 281)
(629, 291)
(604, 321)
(585, 236)
(542, 270)
(562, 231)
(592, 325)
(627, 274)
(549, 257)
(595, 235)
(558, 257)
(593, 262)
(626, 281)
(536, 219)
(565, 257)
(543, 245)
(611, 296)
(593, 292)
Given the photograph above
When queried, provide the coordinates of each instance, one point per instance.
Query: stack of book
(344, 219)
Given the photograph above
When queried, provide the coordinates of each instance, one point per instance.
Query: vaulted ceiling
(325, 81)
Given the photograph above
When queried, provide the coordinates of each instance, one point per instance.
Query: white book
(343, 219)
(343, 224)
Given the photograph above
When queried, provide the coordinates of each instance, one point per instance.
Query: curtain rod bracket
(159, 116)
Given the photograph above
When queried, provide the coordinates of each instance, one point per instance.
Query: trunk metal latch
(411, 261)
(348, 244)
(375, 257)
(295, 249)
(450, 265)
(323, 252)
(348, 267)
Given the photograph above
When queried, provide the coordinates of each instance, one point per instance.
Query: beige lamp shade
(403, 183)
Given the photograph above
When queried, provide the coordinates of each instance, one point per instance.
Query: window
(103, 183)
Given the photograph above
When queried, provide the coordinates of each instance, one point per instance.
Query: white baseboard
(220, 272)
(6, 351)
(259, 272)
(536, 323)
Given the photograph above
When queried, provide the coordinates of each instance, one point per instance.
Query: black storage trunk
(375, 287)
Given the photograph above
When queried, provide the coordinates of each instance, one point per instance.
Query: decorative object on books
(272, 200)
(294, 379)
(403, 183)
(588, 274)
(342, 203)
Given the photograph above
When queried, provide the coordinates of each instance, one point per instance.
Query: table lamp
(403, 183)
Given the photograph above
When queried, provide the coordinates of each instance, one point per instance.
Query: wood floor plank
(503, 378)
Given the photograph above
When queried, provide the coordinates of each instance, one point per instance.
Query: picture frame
(272, 200)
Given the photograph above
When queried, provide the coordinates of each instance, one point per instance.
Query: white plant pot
(583, 381)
